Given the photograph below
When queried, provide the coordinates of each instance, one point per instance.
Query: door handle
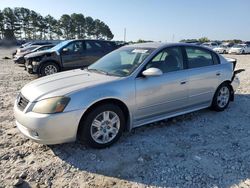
(218, 74)
(183, 82)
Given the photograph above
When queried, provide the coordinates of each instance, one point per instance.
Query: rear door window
(93, 46)
(198, 57)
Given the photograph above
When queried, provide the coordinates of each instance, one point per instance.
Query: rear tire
(102, 126)
(221, 97)
(49, 68)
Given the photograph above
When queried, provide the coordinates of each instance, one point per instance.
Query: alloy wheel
(223, 97)
(105, 127)
(50, 69)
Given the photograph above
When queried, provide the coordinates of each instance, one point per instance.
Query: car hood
(22, 54)
(37, 54)
(63, 83)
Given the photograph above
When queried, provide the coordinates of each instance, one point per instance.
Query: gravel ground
(200, 149)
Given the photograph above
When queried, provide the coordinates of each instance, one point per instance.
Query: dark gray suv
(70, 54)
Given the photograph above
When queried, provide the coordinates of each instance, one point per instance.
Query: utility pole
(125, 32)
(173, 38)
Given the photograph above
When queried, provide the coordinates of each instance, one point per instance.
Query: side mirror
(65, 50)
(152, 72)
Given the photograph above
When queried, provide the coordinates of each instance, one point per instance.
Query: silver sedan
(132, 86)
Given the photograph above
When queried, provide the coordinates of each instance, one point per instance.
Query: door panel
(71, 60)
(204, 74)
(202, 84)
(73, 57)
(161, 95)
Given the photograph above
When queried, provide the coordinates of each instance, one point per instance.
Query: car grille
(22, 102)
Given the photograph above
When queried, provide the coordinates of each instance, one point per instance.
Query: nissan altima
(129, 87)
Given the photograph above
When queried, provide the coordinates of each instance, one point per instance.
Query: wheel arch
(228, 82)
(117, 102)
(48, 61)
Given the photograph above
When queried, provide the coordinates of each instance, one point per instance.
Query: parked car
(23, 50)
(67, 55)
(210, 45)
(118, 92)
(20, 57)
(38, 43)
(223, 48)
(32, 43)
(239, 49)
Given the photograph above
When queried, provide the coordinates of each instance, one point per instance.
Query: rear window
(198, 57)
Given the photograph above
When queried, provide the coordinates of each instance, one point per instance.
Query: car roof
(156, 45)
(71, 40)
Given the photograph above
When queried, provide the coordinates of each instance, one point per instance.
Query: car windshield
(121, 62)
(60, 45)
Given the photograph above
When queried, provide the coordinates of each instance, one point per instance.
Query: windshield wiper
(98, 71)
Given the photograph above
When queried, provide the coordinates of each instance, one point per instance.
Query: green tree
(1, 25)
(23, 18)
(34, 26)
(78, 25)
(10, 21)
(57, 30)
(203, 39)
(98, 26)
(42, 27)
(51, 26)
(24, 23)
(107, 33)
(66, 26)
(90, 26)
(189, 40)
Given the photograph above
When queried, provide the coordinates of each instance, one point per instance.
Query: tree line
(22, 23)
(205, 39)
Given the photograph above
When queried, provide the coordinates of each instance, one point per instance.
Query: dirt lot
(201, 149)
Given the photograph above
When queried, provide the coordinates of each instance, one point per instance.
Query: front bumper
(48, 128)
(32, 67)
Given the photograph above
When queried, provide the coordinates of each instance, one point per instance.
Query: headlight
(51, 105)
(34, 63)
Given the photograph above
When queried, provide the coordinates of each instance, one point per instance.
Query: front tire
(102, 126)
(222, 97)
(49, 68)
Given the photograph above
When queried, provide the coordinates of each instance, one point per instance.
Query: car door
(166, 94)
(71, 55)
(93, 51)
(204, 75)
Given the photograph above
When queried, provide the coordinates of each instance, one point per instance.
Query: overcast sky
(158, 20)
